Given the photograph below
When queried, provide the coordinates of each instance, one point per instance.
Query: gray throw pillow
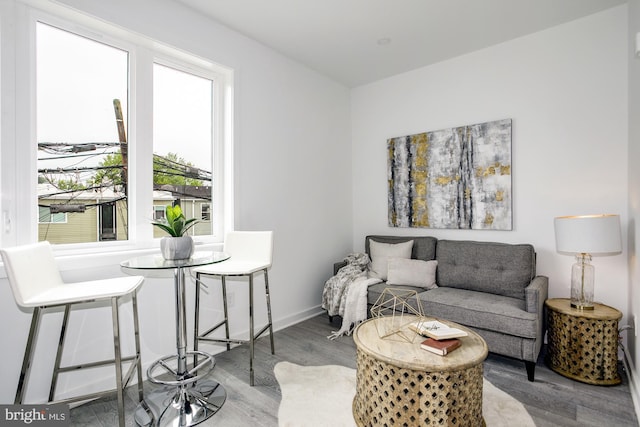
(380, 254)
(412, 272)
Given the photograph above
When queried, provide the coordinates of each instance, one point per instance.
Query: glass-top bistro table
(186, 398)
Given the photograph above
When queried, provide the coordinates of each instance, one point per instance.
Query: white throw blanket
(345, 294)
(334, 295)
(355, 309)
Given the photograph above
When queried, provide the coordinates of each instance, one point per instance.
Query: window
(159, 212)
(119, 128)
(205, 212)
(182, 140)
(81, 109)
(108, 229)
(45, 216)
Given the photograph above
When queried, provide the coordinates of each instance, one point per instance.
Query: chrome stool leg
(266, 288)
(118, 357)
(28, 356)
(136, 331)
(196, 320)
(56, 366)
(226, 310)
(251, 335)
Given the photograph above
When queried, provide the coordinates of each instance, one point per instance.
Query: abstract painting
(457, 178)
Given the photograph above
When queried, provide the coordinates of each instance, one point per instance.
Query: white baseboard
(297, 317)
(634, 387)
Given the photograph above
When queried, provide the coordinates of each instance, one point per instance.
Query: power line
(78, 169)
(42, 159)
(68, 147)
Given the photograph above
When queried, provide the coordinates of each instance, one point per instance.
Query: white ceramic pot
(176, 247)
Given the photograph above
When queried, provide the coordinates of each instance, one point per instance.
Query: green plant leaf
(178, 226)
(173, 213)
(189, 223)
(169, 230)
(175, 223)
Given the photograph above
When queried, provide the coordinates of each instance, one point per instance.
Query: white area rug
(318, 396)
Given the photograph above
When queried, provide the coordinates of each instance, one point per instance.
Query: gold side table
(583, 344)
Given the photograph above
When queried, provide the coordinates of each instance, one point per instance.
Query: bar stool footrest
(204, 367)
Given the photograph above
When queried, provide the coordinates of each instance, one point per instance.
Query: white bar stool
(251, 252)
(36, 283)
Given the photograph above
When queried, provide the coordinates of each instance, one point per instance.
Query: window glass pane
(182, 143)
(206, 212)
(107, 221)
(159, 212)
(45, 215)
(81, 134)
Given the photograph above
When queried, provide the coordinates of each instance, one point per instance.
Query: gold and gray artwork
(456, 178)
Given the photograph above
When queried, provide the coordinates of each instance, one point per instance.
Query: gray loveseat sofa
(492, 288)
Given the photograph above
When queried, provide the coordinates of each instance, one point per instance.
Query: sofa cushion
(413, 272)
(424, 247)
(382, 252)
(481, 310)
(496, 268)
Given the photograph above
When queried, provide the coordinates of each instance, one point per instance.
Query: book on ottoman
(441, 347)
(436, 330)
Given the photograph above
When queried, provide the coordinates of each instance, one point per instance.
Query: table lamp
(585, 236)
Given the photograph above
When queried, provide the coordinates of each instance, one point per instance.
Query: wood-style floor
(552, 400)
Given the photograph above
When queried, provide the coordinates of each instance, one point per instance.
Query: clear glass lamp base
(582, 278)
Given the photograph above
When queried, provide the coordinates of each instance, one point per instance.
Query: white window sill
(77, 260)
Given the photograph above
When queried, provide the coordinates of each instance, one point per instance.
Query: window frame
(17, 66)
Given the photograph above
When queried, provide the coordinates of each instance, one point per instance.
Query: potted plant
(177, 245)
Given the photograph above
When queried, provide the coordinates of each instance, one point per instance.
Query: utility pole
(122, 137)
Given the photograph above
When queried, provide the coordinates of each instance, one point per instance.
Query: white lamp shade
(590, 234)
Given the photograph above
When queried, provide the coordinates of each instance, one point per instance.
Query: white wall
(565, 90)
(292, 171)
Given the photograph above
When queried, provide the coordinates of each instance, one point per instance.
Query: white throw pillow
(412, 272)
(381, 252)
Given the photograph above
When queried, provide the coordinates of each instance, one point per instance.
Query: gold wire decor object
(395, 305)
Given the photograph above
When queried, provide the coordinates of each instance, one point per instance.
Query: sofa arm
(337, 266)
(536, 294)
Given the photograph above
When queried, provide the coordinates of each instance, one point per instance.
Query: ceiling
(360, 41)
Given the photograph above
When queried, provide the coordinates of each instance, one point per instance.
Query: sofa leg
(330, 319)
(531, 369)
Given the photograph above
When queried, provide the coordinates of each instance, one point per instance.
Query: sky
(77, 80)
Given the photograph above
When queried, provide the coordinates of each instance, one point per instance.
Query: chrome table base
(186, 397)
(189, 405)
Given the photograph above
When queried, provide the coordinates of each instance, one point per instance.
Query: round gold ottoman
(400, 384)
